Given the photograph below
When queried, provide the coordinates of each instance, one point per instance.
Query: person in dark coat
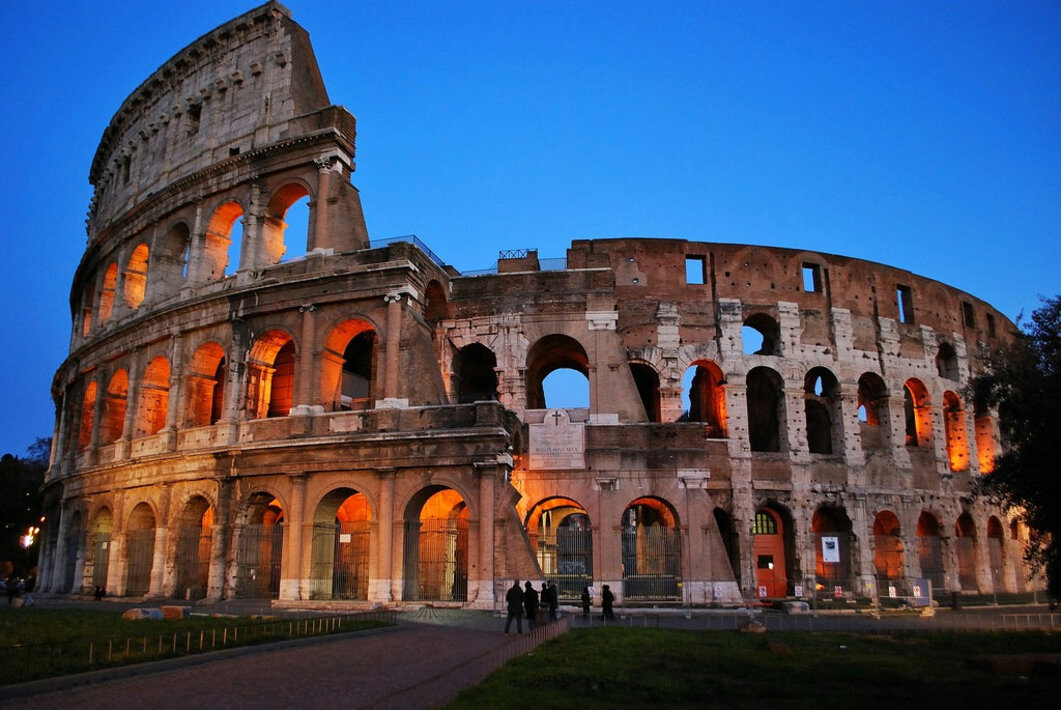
(606, 601)
(554, 601)
(514, 599)
(530, 604)
(586, 600)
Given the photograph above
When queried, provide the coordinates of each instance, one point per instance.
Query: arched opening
(436, 546)
(562, 538)
(136, 276)
(339, 555)
(930, 550)
(872, 412)
(271, 376)
(106, 294)
(954, 428)
(139, 550)
(154, 398)
(703, 397)
(832, 557)
(97, 556)
(114, 404)
(965, 542)
(222, 242)
(947, 362)
(918, 413)
(557, 358)
(766, 410)
(887, 550)
(985, 437)
(88, 414)
(436, 307)
(821, 401)
(72, 550)
(995, 542)
(646, 379)
(285, 228)
(772, 546)
(194, 536)
(651, 547)
(347, 365)
(86, 314)
(474, 374)
(261, 548)
(730, 541)
(761, 335)
(169, 268)
(206, 385)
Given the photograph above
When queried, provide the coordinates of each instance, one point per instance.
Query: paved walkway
(420, 663)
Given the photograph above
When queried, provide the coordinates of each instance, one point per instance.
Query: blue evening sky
(923, 135)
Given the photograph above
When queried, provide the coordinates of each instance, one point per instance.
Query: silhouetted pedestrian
(514, 599)
(554, 601)
(530, 604)
(586, 601)
(606, 601)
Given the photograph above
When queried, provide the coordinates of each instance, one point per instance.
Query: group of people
(540, 607)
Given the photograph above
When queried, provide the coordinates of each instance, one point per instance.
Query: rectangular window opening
(812, 278)
(968, 317)
(695, 270)
(905, 296)
(990, 325)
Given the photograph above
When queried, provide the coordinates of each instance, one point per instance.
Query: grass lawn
(659, 668)
(42, 643)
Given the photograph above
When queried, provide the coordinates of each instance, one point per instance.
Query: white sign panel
(830, 549)
(557, 443)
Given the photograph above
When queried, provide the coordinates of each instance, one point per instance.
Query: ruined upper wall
(235, 89)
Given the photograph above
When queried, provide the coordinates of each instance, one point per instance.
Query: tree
(20, 502)
(1022, 381)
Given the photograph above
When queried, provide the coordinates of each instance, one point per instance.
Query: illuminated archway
(916, 405)
(261, 547)
(136, 276)
(703, 398)
(154, 397)
(194, 537)
(222, 242)
(340, 548)
(88, 414)
(206, 385)
(139, 550)
(954, 426)
(562, 538)
(106, 294)
(348, 364)
(965, 541)
(873, 412)
(651, 548)
(930, 549)
(271, 375)
(114, 404)
(887, 547)
(97, 556)
(436, 546)
(549, 355)
(832, 551)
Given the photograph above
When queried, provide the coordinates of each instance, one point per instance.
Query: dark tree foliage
(1023, 381)
(20, 503)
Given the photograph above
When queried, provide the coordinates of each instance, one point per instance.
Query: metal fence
(339, 560)
(651, 563)
(193, 562)
(140, 552)
(258, 571)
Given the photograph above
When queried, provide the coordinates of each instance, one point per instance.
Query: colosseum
(334, 419)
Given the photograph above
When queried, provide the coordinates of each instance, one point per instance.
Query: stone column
(484, 578)
(175, 397)
(381, 588)
(291, 576)
(305, 392)
(160, 554)
(220, 538)
(132, 404)
(392, 353)
(318, 235)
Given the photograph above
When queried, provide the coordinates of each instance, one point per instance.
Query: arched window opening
(136, 277)
(436, 546)
(821, 400)
(872, 411)
(139, 550)
(114, 404)
(106, 294)
(340, 547)
(154, 398)
(766, 411)
(73, 551)
(194, 537)
(557, 358)
(954, 427)
(97, 554)
(730, 541)
(985, 437)
(995, 541)
(918, 413)
(651, 548)
(206, 385)
(260, 548)
(761, 335)
(703, 397)
(347, 366)
(965, 541)
(86, 314)
(169, 267)
(930, 549)
(887, 548)
(271, 376)
(285, 229)
(947, 362)
(475, 374)
(562, 538)
(833, 552)
(772, 549)
(88, 414)
(646, 380)
(222, 242)
(436, 307)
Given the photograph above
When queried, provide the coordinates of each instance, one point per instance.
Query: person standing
(514, 599)
(554, 601)
(606, 601)
(530, 603)
(586, 600)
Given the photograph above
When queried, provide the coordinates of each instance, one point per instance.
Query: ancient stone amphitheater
(249, 413)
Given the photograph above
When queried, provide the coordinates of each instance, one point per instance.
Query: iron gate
(966, 549)
(140, 553)
(72, 549)
(651, 563)
(568, 562)
(994, 551)
(101, 548)
(339, 560)
(258, 562)
(193, 562)
(835, 578)
(930, 554)
(436, 551)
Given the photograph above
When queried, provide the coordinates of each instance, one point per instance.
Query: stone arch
(930, 549)
(97, 554)
(561, 535)
(348, 365)
(651, 550)
(773, 547)
(221, 242)
(646, 379)
(917, 406)
(954, 428)
(436, 307)
(549, 354)
(766, 410)
(114, 406)
(260, 547)
(887, 547)
(822, 409)
(154, 397)
(139, 549)
(275, 247)
(88, 414)
(996, 537)
(339, 553)
(170, 261)
(965, 542)
(706, 396)
(72, 550)
(761, 335)
(873, 412)
(833, 553)
(136, 276)
(474, 375)
(985, 436)
(106, 292)
(436, 545)
(271, 375)
(207, 373)
(194, 538)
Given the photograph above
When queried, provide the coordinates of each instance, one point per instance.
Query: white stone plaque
(557, 443)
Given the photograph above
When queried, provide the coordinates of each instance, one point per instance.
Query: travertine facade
(362, 422)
